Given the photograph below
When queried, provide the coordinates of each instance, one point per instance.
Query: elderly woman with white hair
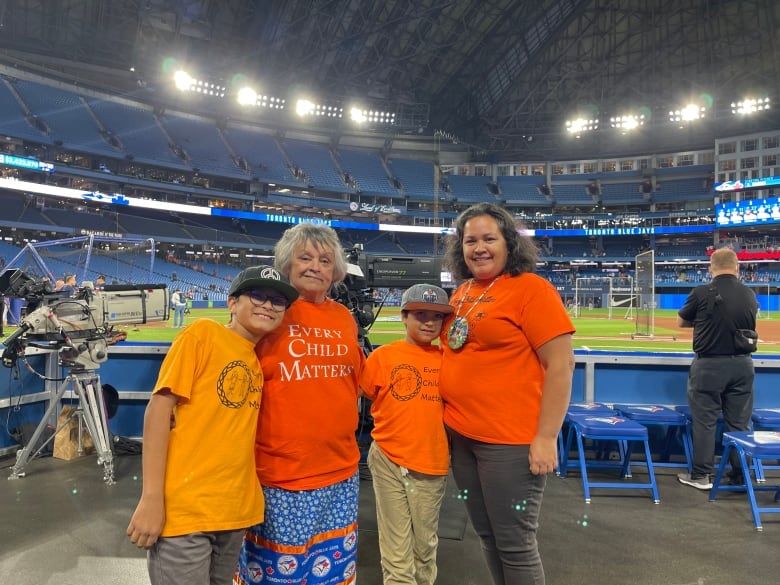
(306, 450)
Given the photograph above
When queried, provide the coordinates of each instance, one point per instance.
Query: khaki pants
(407, 513)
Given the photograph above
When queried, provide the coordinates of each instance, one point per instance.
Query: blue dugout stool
(765, 419)
(675, 423)
(609, 427)
(756, 444)
(564, 436)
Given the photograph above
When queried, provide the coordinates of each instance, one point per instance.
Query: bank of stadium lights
(308, 108)
(689, 113)
(579, 125)
(628, 122)
(750, 106)
(361, 115)
(185, 82)
(249, 97)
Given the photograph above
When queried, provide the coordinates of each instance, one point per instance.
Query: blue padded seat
(756, 444)
(606, 426)
(566, 428)
(765, 419)
(676, 424)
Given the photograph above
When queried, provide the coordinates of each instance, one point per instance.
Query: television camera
(76, 325)
(355, 293)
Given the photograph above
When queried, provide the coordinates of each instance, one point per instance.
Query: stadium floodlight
(304, 108)
(309, 108)
(750, 106)
(186, 82)
(687, 114)
(373, 116)
(249, 97)
(580, 125)
(627, 122)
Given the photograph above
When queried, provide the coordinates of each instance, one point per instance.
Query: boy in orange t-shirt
(409, 457)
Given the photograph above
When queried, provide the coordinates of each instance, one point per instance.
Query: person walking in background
(179, 304)
(306, 450)
(409, 457)
(506, 382)
(200, 490)
(721, 376)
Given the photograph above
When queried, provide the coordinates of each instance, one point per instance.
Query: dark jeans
(715, 385)
(503, 499)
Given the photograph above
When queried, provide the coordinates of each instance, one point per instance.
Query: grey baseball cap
(426, 297)
(262, 277)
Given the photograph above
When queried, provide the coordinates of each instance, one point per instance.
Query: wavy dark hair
(522, 252)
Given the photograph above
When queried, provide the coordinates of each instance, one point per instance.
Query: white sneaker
(700, 483)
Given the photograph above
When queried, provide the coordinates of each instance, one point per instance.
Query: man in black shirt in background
(721, 375)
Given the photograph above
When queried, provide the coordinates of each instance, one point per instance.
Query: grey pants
(503, 499)
(200, 558)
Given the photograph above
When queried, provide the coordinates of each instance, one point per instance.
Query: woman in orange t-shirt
(306, 451)
(505, 381)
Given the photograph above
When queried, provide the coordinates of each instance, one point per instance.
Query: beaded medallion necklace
(458, 333)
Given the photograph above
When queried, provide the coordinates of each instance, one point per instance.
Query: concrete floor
(62, 525)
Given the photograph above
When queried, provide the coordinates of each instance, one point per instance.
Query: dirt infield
(768, 331)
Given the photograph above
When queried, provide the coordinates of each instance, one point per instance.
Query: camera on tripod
(77, 324)
(355, 292)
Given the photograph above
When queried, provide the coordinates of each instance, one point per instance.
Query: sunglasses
(258, 297)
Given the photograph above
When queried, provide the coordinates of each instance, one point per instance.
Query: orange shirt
(492, 386)
(309, 414)
(210, 483)
(402, 380)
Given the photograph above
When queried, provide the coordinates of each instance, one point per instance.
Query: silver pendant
(458, 333)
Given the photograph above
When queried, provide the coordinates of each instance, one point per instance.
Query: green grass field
(594, 332)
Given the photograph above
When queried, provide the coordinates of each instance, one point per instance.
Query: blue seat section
(674, 425)
(470, 189)
(318, 164)
(759, 445)
(676, 190)
(67, 117)
(416, 178)
(263, 155)
(625, 193)
(139, 132)
(83, 221)
(524, 191)
(203, 143)
(369, 172)
(18, 210)
(613, 428)
(13, 116)
(305, 201)
(572, 194)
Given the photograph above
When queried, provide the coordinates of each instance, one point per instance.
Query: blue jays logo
(349, 570)
(350, 541)
(287, 564)
(650, 408)
(255, 572)
(610, 420)
(321, 566)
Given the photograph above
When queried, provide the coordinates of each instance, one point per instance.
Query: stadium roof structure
(501, 76)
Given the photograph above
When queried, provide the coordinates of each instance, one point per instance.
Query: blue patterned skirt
(308, 538)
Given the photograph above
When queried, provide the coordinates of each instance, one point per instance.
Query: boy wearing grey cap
(200, 490)
(409, 457)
